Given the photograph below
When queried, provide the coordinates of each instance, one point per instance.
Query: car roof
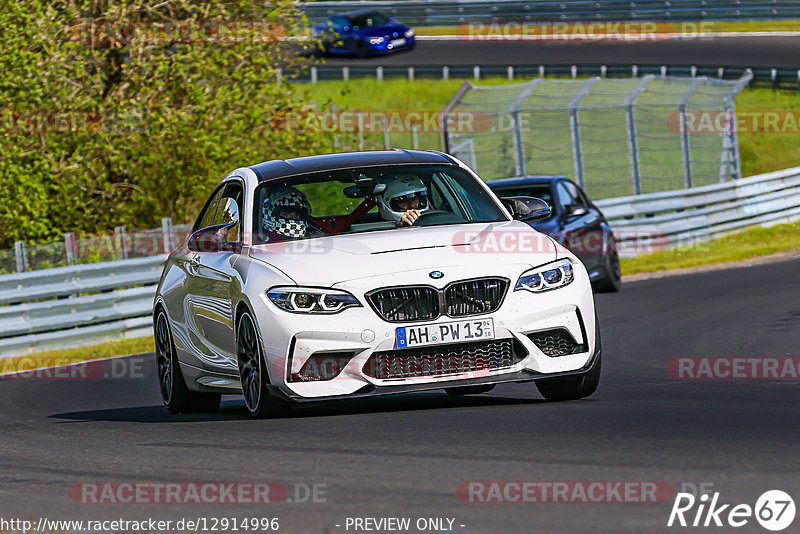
(358, 12)
(280, 168)
(525, 180)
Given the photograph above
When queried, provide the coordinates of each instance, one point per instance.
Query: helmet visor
(411, 201)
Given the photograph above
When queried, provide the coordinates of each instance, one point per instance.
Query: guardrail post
(22, 256)
(123, 245)
(313, 74)
(693, 70)
(346, 73)
(510, 72)
(603, 71)
(634, 71)
(663, 71)
(476, 72)
(69, 248)
(166, 234)
(279, 76)
(773, 74)
(575, 128)
(630, 123)
(414, 138)
(573, 70)
(685, 149)
(445, 73)
(798, 80)
(541, 71)
(411, 73)
(379, 73)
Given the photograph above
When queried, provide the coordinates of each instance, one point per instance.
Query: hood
(327, 261)
(393, 30)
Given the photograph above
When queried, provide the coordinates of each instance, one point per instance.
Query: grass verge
(733, 248)
(51, 358)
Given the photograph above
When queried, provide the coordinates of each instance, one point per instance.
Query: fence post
(123, 245)
(516, 125)
(454, 100)
(730, 153)
(166, 234)
(386, 143)
(630, 123)
(22, 256)
(684, 126)
(360, 122)
(575, 128)
(69, 247)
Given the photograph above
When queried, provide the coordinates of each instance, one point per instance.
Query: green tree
(127, 111)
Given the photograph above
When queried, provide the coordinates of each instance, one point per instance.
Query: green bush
(103, 128)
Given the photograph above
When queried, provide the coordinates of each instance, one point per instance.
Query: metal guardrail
(86, 304)
(448, 12)
(777, 78)
(665, 220)
(77, 305)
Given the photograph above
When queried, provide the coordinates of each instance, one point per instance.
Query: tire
(469, 390)
(253, 371)
(611, 282)
(572, 387)
(176, 396)
(362, 49)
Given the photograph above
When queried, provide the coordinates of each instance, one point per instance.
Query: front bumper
(290, 339)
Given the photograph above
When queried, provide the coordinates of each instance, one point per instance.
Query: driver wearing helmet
(285, 212)
(403, 200)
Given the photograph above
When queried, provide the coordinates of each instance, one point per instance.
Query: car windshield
(368, 20)
(368, 199)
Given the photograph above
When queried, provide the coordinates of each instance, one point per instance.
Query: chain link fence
(615, 137)
(121, 244)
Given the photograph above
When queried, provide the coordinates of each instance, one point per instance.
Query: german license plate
(398, 42)
(452, 332)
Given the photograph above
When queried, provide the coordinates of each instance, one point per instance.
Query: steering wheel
(430, 216)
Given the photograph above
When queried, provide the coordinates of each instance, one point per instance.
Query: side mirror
(526, 209)
(575, 210)
(212, 239)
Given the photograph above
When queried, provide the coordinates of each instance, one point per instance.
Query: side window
(567, 194)
(208, 214)
(229, 210)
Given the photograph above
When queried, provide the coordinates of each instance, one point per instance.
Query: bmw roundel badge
(436, 274)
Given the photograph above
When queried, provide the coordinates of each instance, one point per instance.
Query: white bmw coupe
(364, 274)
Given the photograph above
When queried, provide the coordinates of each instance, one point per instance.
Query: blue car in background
(363, 33)
(574, 221)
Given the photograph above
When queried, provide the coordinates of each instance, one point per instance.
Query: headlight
(376, 40)
(311, 300)
(547, 277)
(410, 33)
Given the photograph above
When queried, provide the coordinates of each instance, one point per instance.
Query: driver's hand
(409, 217)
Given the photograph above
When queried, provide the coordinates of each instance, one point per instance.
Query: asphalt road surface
(405, 456)
(778, 52)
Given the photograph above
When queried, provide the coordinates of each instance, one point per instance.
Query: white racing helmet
(286, 198)
(401, 187)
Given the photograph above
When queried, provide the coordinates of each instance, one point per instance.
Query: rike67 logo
(774, 510)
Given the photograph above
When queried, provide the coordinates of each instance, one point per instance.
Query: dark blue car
(574, 221)
(363, 33)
